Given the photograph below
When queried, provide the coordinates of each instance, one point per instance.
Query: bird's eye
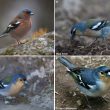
(108, 73)
(21, 79)
(102, 73)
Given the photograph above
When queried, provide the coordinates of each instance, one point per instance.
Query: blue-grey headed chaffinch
(92, 24)
(12, 85)
(98, 28)
(19, 26)
(91, 81)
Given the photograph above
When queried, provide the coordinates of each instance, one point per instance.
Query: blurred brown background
(43, 18)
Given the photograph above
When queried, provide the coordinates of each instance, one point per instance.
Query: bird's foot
(21, 42)
(16, 44)
(88, 103)
(105, 99)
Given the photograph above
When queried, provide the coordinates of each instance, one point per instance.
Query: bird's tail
(66, 63)
(69, 66)
(4, 34)
(1, 85)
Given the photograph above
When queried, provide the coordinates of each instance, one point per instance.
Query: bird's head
(25, 14)
(20, 78)
(78, 29)
(104, 74)
(28, 12)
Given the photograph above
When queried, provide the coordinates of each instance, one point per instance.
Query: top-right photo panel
(82, 27)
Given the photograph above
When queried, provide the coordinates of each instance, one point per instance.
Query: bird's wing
(84, 77)
(97, 25)
(1, 85)
(6, 80)
(66, 62)
(13, 25)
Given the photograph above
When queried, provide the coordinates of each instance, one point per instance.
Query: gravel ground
(42, 45)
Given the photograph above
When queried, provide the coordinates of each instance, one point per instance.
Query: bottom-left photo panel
(26, 83)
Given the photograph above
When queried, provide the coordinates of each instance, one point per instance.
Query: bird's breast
(22, 29)
(103, 86)
(16, 88)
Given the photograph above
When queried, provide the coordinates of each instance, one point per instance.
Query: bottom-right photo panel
(82, 82)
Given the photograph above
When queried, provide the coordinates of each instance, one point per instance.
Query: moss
(41, 52)
(32, 47)
(9, 51)
(51, 37)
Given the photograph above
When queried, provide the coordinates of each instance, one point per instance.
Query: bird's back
(80, 26)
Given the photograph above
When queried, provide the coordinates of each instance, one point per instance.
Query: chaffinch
(92, 24)
(19, 26)
(12, 85)
(93, 27)
(91, 81)
(103, 34)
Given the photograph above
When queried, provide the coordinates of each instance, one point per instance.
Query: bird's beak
(31, 13)
(26, 83)
(108, 73)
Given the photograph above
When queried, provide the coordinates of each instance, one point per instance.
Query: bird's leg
(92, 42)
(88, 104)
(18, 42)
(106, 98)
(106, 44)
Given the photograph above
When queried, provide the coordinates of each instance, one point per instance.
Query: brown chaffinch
(20, 25)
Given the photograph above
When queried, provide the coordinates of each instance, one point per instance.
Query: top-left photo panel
(26, 27)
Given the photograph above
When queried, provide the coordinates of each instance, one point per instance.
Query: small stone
(79, 102)
(74, 94)
(7, 102)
